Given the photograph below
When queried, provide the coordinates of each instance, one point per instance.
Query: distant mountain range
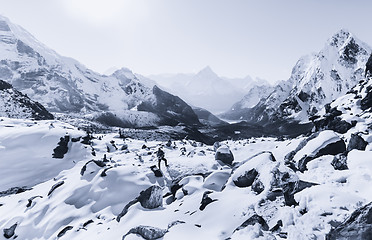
(64, 85)
(316, 79)
(206, 89)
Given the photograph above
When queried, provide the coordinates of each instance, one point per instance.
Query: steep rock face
(170, 108)
(62, 84)
(14, 104)
(316, 79)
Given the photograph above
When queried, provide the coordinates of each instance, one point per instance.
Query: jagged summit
(316, 79)
(207, 72)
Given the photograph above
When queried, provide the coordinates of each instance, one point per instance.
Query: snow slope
(81, 199)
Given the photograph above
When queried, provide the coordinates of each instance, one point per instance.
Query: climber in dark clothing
(160, 155)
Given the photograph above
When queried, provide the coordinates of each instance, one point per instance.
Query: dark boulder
(252, 221)
(9, 232)
(152, 197)
(330, 149)
(357, 227)
(224, 155)
(55, 186)
(14, 190)
(339, 161)
(258, 186)
(246, 179)
(147, 232)
(206, 200)
(62, 148)
(366, 102)
(356, 142)
(64, 230)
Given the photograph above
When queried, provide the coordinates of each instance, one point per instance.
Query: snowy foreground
(61, 200)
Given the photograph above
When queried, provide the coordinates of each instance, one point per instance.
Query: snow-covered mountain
(316, 79)
(62, 84)
(14, 104)
(206, 89)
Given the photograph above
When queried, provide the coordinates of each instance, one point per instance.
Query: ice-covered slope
(62, 84)
(206, 89)
(316, 79)
(14, 104)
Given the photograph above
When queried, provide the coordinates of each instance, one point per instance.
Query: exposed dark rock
(4, 85)
(291, 188)
(103, 173)
(330, 149)
(55, 186)
(14, 190)
(224, 155)
(339, 161)
(206, 200)
(63, 231)
(357, 227)
(258, 186)
(62, 148)
(246, 179)
(99, 163)
(333, 123)
(277, 226)
(31, 199)
(87, 223)
(369, 66)
(252, 221)
(356, 142)
(156, 171)
(152, 197)
(9, 232)
(125, 209)
(171, 109)
(147, 232)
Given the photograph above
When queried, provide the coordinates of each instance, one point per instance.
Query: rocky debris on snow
(63, 231)
(156, 171)
(55, 186)
(358, 226)
(206, 200)
(99, 163)
(31, 199)
(369, 66)
(9, 232)
(366, 102)
(332, 121)
(150, 198)
(216, 145)
(62, 148)
(14, 190)
(255, 219)
(147, 232)
(356, 142)
(224, 155)
(320, 144)
(339, 161)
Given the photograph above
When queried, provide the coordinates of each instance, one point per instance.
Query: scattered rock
(62, 148)
(9, 232)
(339, 161)
(55, 186)
(356, 142)
(147, 232)
(216, 145)
(246, 179)
(258, 186)
(99, 163)
(252, 221)
(87, 223)
(31, 199)
(358, 226)
(156, 171)
(63, 231)
(152, 197)
(126, 208)
(224, 155)
(206, 200)
(14, 190)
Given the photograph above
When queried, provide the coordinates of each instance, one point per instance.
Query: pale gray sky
(235, 37)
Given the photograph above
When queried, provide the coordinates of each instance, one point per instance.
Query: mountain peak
(207, 72)
(340, 38)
